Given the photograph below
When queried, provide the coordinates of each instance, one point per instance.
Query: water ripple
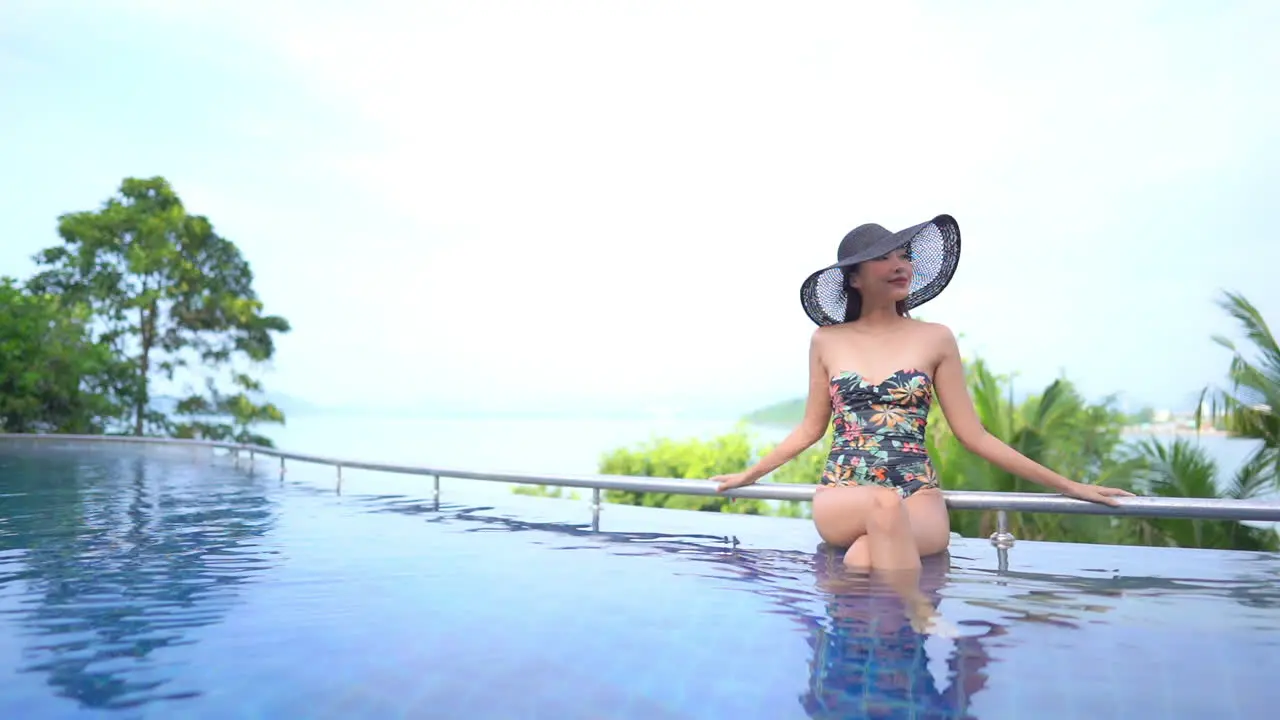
(125, 582)
(110, 567)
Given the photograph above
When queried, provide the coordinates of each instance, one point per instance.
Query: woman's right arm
(957, 408)
(817, 415)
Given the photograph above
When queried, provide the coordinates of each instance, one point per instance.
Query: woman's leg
(881, 530)
(889, 536)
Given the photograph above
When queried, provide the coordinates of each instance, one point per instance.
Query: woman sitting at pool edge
(877, 370)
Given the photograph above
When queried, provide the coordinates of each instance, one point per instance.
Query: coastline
(1172, 429)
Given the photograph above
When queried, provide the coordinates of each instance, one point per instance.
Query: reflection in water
(869, 660)
(866, 659)
(118, 556)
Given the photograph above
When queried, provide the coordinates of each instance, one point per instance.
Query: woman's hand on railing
(732, 480)
(1095, 493)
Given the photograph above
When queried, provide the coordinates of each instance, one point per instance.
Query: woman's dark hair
(853, 303)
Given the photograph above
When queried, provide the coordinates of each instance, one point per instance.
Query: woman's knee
(887, 510)
(933, 544)
(843, 514)
(930, 521)
(858, 556)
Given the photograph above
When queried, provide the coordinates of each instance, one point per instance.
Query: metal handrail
(1002, 502)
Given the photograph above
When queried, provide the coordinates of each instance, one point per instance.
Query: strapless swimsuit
(880, 432)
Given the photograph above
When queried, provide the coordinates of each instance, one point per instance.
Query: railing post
(595, 509)
(339, 488)
(251, 462)
(435, 491)
(282, 469)
(1002, 538)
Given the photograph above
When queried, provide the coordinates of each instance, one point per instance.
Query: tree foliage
(168, 295)
(1183, 469)
(1249, 405)
(54, 377)
(694, 459)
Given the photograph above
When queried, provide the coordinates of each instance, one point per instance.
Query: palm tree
(1058, 428)
(1184, 469)
(1248, 407)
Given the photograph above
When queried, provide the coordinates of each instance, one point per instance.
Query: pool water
(149, 582)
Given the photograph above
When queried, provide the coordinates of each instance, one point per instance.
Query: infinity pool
(167, 583)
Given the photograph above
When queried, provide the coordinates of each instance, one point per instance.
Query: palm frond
(1253, 478)
(1251, 385)
(988, 402)
(1250, 404)
(1258, 381)
(1177, 469)
(1255, 329)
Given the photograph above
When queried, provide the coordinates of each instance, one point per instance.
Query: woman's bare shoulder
(824, 334)
(934, 329)
(938, 338)
(820, 345)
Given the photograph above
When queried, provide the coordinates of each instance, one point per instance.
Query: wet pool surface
(167, 583)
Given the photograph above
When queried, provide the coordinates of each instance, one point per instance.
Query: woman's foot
(926, 620)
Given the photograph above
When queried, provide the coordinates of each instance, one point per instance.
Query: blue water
(167, 583)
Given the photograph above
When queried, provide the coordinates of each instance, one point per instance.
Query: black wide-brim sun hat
(935, 253)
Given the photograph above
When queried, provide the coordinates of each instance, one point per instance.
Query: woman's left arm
(957, 407)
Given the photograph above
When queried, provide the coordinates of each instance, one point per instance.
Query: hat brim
(935, 254)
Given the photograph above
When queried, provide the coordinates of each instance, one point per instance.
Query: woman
(878, 371)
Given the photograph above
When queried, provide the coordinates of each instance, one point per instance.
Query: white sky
(585, 205)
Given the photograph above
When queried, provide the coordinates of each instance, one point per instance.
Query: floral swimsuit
(879, 432)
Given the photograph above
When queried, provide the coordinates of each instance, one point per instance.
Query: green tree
(698, 459)
(1249, 407)
(227, 416)
(167, 293)
(53, 376)
(1085, 442)
(1183, 469)
(688, 459)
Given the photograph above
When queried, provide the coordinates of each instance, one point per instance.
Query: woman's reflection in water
(869, 659)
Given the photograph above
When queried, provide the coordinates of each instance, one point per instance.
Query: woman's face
(886, 277)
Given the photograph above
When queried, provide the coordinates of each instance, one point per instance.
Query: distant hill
(787, 412)
(291, 405)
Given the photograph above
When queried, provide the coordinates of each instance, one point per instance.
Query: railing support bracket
(1002, 538)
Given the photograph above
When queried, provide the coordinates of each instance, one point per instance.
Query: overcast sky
(613, 203)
